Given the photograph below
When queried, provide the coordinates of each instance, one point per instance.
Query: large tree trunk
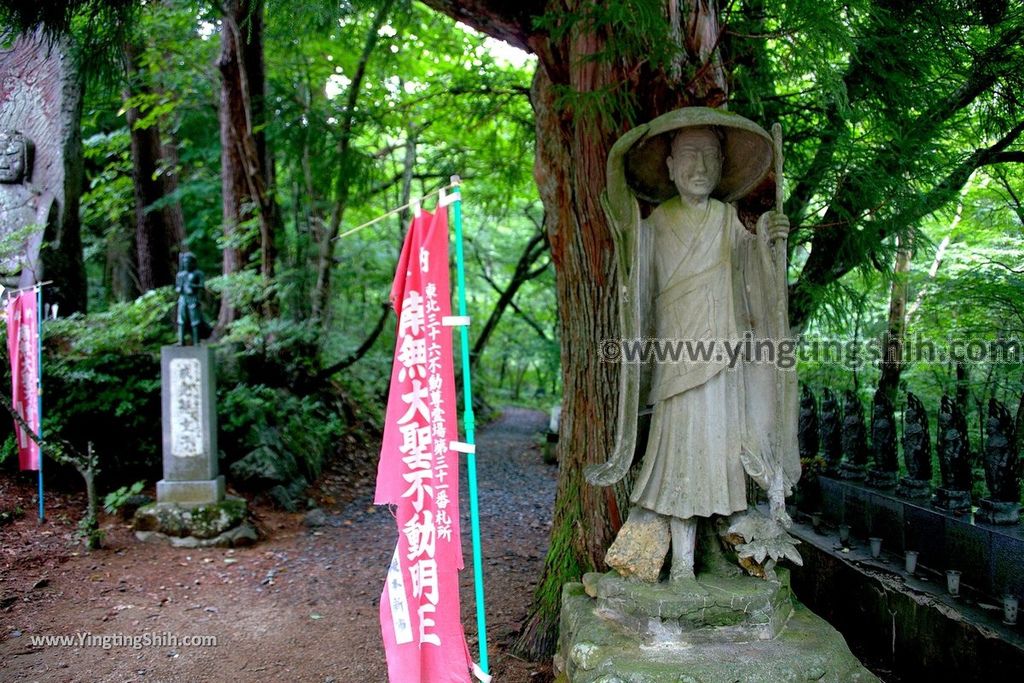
(159, 233)
(587, 91)
(572, 148)
(246, 169)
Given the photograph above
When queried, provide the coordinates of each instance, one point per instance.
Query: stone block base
(997, 512)
(190, 493)
(881, 479)
(915, 489)
(596, 649)
(852, 472)
(952, 500)
(714, 608)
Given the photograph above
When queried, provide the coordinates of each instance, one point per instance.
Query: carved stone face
(695, 165)
(13, 164)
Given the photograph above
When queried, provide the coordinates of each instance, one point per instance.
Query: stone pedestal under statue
(191, 508)
(711, 629)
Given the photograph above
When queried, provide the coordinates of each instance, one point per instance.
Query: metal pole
(39, 391)
(470, 427)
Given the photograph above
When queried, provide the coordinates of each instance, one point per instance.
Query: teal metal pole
(470, 427)
(39, 391)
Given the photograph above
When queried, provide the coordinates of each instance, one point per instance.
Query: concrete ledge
(990, 556)
(908, 622)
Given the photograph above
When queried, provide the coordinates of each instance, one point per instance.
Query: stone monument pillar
(188, 396)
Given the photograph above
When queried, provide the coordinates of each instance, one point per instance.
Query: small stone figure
(1002, 471)
(189, 284)
(831, 431)
(917, 451)
(854, 439)
(883, 443)
(807, 432)
(954, 451)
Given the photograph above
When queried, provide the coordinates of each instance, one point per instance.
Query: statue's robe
(706, 283)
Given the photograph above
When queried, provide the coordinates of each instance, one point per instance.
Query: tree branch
(363, 348)
(511, 22)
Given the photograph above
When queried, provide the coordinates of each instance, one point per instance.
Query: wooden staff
(776, 492)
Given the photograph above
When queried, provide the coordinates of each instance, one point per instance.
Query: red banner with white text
(418, 472)
(23, 349)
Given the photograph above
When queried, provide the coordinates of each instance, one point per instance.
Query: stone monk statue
(691, 270)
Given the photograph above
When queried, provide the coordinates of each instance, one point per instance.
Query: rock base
(222, 524)
(709, 630)
(997, 512)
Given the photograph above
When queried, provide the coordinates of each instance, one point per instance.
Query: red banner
(419, 473)
(23, 349)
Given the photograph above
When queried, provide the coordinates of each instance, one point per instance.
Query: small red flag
(23, 349)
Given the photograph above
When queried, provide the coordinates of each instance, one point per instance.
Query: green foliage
(88, 532)
(9, 515)
(118, 498)
(101, 378)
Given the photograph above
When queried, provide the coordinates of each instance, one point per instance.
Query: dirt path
(299, 606)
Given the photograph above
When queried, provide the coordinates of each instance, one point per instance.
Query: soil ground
(301, 605)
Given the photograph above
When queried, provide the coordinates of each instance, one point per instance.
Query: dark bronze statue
(954, 451)
(1001, 471)
(883, 442)
(807, 431)
(831, 431)
(189, 285)
(917, 450)
(1002, 468)
(855, 438)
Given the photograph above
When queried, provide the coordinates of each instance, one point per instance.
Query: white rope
(413, 203)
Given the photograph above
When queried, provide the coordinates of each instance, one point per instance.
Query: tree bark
(159, 233)
(892, 361)
(246, 167)
(573, 141)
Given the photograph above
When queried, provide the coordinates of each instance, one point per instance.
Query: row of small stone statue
(840, 435)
